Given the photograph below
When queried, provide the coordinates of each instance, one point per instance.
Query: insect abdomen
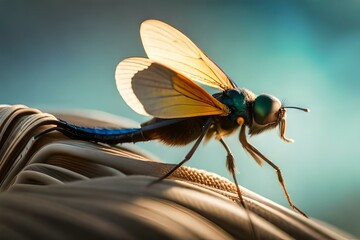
(180, 133)
(104, 135)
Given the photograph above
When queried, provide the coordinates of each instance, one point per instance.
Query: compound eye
(266, 108)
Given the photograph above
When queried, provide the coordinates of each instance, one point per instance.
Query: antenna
(299, 108)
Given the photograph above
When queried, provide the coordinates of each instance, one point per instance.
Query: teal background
(63, 54)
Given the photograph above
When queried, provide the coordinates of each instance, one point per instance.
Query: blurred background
(63, 54)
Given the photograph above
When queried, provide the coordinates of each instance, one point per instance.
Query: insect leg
(230, 164)
(230, 161)
(253, 151)
(205, 128)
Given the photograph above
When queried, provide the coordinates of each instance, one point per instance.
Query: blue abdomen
(106, 135)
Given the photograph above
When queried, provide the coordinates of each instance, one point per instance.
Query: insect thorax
(239, 102)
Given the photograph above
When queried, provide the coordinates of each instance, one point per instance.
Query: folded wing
(150, 88)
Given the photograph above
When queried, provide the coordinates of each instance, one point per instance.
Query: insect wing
(150, 88)
(168, 46)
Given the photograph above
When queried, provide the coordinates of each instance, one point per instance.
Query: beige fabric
(56, 187)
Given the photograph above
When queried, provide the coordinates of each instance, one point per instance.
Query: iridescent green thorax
(237, 100)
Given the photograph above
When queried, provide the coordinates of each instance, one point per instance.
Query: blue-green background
(64, 53)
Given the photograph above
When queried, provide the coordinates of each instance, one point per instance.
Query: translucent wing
(150, 88)
(168, 46)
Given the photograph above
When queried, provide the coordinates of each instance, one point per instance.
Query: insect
(165, 86)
